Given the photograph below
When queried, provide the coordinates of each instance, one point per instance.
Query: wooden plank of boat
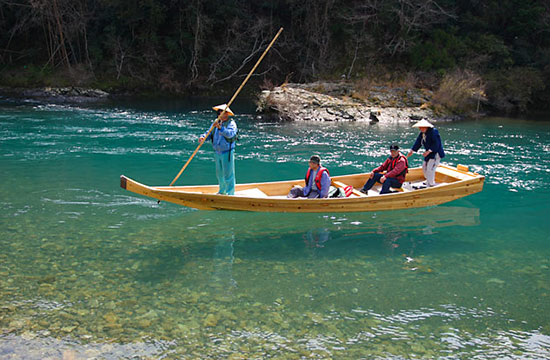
(271, 196)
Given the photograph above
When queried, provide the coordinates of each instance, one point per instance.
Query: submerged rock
(68, 329)
(110, 317)
(48, 279)
(210, 321)
(495, 281)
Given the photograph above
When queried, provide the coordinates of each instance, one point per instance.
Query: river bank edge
(321, 101)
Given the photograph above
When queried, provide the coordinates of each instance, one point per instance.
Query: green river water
(90, 271)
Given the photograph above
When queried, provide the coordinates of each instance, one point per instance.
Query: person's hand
(371, 175)
(218, 124)
(410, 153)
(426, 153)
(382, 179)
(201, 139)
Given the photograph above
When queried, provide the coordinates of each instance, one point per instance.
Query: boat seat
(254, 192)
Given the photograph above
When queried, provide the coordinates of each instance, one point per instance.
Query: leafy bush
(440, 52)
(513, 90)
(487, 51)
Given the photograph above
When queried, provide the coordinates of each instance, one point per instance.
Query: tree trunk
(197, 45)
(61, 37)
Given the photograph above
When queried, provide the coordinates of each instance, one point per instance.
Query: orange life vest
(317, 177)
(393, 164)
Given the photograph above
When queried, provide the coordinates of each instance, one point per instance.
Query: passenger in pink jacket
(394, 168)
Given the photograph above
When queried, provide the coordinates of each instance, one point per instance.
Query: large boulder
(309, 102)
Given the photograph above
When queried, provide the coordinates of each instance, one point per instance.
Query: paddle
(228, 105)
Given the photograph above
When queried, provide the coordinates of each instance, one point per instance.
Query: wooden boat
(453, 183)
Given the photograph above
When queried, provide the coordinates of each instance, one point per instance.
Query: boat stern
(123, 181)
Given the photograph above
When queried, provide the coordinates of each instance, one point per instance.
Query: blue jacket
(325, 185)
(432, 142)
(220, 137)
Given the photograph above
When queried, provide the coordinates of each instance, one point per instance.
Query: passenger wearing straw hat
(223, 141)
(431, 141)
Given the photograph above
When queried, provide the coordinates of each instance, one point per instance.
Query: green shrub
(513, 90)
(487, 51)
(440, 52)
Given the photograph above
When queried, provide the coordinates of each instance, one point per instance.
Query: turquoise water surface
(88, 270)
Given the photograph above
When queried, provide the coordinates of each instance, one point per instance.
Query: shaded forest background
(199, 46)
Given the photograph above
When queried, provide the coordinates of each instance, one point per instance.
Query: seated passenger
(317, 181)
(395, 168)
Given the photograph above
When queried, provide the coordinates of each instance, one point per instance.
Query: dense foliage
(183, 45)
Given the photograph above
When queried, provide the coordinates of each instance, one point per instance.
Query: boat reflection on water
(264, 226)
(316, 238)
(222, 274)
(222, 234)
(227, 250)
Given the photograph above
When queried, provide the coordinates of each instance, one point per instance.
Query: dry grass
(459, 92)
(362, 89)
(380, 76)
(267, 84)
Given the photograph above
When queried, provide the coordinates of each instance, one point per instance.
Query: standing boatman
(223, 141)
(430, 139)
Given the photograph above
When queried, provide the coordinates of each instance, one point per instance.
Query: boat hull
(456, 184)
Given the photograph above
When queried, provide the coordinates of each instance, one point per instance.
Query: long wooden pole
(228, 104)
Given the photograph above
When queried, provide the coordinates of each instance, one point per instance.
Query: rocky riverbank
(325, 101)
(58, 95)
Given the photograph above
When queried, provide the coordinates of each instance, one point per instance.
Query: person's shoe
(366, 192)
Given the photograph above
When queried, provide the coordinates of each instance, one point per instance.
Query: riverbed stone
(210, 320)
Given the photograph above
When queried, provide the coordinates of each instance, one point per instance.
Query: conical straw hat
(223, 107)
(423, 123)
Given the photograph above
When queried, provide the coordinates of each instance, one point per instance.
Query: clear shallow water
(89, 270)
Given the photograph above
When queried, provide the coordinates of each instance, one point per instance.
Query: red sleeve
(398, 169)
(382, 167)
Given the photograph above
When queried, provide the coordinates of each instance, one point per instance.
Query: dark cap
(315, 158)
(394, 147)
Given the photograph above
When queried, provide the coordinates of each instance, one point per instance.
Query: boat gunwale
(458, 183)
(336, 178)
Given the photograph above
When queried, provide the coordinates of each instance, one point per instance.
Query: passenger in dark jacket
(430, 139)
(395, 168)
